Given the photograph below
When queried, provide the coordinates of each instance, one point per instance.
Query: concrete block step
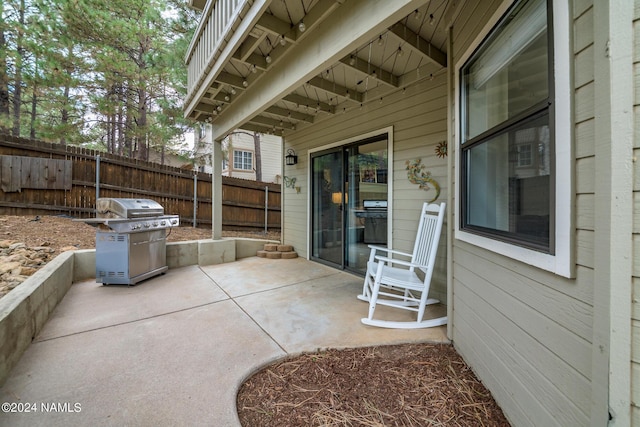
(274, 255)
(275, 251)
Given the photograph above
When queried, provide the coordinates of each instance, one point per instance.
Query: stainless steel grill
(130, 240)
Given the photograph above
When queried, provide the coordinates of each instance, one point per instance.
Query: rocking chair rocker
(396, 280)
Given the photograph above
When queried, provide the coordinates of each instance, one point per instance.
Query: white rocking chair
(397, 281)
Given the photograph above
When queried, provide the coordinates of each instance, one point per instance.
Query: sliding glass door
(327, 178)
(349, 203)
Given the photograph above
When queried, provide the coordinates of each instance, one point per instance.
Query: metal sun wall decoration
(441, 149)
(417, 174)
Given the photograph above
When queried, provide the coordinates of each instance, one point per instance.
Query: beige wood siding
(527, 333)
(270, 150)
(418, 117)
(635, 352)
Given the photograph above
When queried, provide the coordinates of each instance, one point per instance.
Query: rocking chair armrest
(390, 251)
(401, 262)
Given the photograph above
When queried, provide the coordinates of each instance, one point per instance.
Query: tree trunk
(143, 154)
(64, 114)
(34, 104)
(17, 89)
(120, 120)
(143, 149)
(4, 78)
(256, 143)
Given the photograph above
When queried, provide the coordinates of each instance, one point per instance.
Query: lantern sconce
(290, 159)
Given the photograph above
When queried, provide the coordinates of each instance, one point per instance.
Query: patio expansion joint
(37, 341)
(232, 298)
(275, 287)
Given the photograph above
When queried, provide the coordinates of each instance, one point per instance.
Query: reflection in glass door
(349, 203)
(327, 218)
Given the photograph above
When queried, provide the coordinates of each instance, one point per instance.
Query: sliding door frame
(384, 132)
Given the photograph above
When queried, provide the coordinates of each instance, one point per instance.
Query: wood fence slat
(74, 173)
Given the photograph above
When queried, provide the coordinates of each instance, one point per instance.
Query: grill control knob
(163, 223)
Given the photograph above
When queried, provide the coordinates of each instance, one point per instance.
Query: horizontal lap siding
(635, 323)
(418, 116)
(526, 332)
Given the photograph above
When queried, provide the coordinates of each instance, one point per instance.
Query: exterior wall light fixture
(290, 159)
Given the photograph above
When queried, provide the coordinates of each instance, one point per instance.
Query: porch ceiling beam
(317, 14)
(283, 112)
(212, 91)
(276, 27)
(213, 88)
(261, 120)
(366, 68)
(257, 128)
(419, 44)
(336, 89)
(205, 108)
(248, 46)
(325, 45)
(200, 116)
(254, 59)
(311, 103)
(220, 97)
(231, 80)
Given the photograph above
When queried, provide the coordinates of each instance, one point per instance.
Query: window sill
(556, 264)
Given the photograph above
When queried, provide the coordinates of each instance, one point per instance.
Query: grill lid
(375, 204)
(108, 207)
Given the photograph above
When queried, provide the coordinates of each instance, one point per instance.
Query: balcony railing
(217, 19)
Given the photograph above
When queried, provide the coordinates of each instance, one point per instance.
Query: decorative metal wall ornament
(417, 175)
(291, 183)
(441, 149)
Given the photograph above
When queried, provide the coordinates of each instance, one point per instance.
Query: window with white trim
(507, 135)
(242, 160)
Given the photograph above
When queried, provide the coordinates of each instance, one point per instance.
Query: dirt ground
(401, 385)
(60, 232)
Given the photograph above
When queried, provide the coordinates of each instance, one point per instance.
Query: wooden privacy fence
(39, 178)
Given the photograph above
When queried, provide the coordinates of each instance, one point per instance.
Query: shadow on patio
(174, 349)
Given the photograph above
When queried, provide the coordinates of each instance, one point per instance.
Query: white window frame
(529, 158)
(563, 261)
(244, 160)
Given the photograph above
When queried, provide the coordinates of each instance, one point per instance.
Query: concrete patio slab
(89, 305)
(259, 274)
(174, 350)
(324, 313)
(182, 368)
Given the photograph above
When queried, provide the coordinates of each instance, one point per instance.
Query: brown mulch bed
(399, 385)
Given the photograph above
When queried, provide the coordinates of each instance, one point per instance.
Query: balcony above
(274, 66)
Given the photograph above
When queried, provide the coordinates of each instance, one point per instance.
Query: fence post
(195, 199)
(97, 177)
(266, 209)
